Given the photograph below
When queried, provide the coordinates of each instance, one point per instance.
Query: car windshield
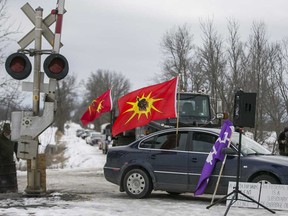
(249, 146)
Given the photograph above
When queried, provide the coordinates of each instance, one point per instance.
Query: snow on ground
(81, 156)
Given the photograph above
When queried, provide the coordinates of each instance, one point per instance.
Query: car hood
(272, 159)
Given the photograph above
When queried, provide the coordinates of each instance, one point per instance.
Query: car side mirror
(229, 151)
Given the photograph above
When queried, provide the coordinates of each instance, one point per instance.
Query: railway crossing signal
(28, 125)
(18, 66)
(56, 66)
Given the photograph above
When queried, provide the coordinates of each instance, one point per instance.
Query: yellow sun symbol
(142, 106)
(95, 106)
(99, 107)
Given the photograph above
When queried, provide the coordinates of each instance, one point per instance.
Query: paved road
(78, 181)
(86, 190)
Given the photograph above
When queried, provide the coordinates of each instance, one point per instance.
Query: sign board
(44, 87)
(250, 189)
(272, 196)
(27, 149)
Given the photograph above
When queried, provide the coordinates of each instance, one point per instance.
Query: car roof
(195, 129)
(202, 129)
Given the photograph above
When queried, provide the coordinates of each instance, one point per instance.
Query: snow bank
(77, 154)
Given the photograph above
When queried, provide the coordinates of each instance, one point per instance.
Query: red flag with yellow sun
(98, 106)
(141, 106)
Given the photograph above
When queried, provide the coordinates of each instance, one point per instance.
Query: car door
(169, 160)
(199, 149)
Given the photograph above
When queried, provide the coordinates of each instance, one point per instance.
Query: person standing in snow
(283, 142)
(8, 181)
(7, 147)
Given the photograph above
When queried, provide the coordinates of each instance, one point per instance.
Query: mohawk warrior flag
(139, 107)
(98, 106)
(215, 155)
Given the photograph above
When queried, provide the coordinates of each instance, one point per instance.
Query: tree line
(224, 65)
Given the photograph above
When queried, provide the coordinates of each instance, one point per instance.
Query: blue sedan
(172, 160)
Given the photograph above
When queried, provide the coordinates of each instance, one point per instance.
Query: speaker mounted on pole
(244, 109)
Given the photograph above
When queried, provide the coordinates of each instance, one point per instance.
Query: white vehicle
(94, 138)
(86, 133)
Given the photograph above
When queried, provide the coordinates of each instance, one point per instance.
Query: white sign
(272, 196)
(252, 190)
(27, 149)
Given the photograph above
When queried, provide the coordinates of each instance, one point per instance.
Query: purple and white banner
(214, 155)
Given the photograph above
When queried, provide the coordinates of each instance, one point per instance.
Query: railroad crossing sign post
(27, 125)
(33, 175)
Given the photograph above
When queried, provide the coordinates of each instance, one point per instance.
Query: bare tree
(177, 48)
(234, 68)
(199, 81)
(66, 95)
(255, 65)
(257, 72)
(5, 30)
(282, 75)
(276, 105)
(99, 82)
(212, 60)
(10, 97)
(276, 112)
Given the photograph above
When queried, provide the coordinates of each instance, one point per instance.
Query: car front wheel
(137, 184)
(266, 179)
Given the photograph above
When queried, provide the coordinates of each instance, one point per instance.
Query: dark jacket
(283, 142)
(7, 149)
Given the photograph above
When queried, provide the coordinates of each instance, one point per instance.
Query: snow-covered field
(83, 170)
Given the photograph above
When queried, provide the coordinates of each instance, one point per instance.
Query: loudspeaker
(244, 109)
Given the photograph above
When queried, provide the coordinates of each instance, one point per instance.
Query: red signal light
(56, 66)
(18, 66)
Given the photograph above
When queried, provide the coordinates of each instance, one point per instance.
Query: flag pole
(178, 105)
(220, 173)
(178, 110)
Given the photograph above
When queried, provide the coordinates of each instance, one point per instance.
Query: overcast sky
(124, 35)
